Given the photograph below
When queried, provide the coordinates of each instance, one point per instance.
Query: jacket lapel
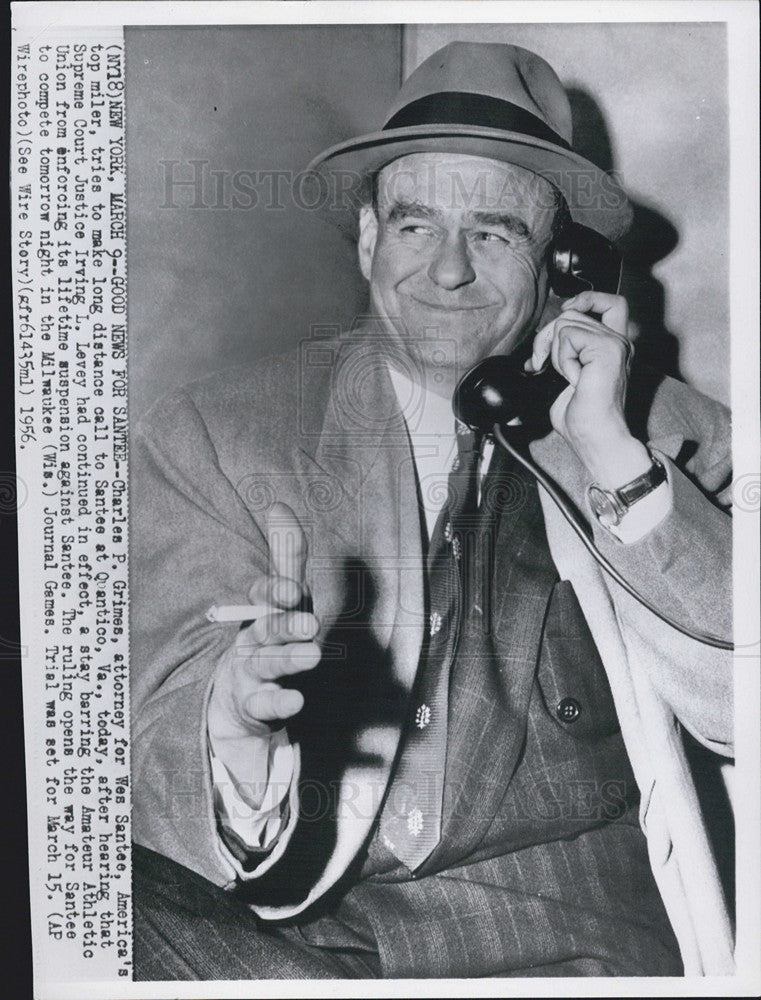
(364, 450)
(365, 572)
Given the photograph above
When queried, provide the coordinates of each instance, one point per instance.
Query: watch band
(611, 505)
(642, 485)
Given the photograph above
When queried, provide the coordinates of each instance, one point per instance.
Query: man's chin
(464, 333)
(461, 325)
(420, 314)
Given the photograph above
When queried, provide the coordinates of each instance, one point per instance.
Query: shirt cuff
(644, 515)
(247, 830)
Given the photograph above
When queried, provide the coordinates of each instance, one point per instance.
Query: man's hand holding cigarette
(247, 699)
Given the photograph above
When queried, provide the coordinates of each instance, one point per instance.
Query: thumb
(287, 544)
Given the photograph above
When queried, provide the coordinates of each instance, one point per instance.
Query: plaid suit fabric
(541, 867)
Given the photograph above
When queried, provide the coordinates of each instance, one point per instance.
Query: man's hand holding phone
(593, 356)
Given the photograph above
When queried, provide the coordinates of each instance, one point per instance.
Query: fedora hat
(481, 99)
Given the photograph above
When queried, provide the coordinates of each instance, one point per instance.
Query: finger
(270, 703)
(554, 351)
(278, 628)
(544, 339)
(589, 321)
(584, 323)
(580, 341)
(612, 309)
(272, 662)
(547, 337)
(542, 346)
(250, 638)
(566, 358)
(287, 543)
(277, 591)
(572, 333)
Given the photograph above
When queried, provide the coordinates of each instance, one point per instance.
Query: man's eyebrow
(512, 223)
(403, 209)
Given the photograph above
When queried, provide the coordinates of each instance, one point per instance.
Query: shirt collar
(426, 413)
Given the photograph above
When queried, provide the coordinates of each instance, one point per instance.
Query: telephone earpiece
(579, 259)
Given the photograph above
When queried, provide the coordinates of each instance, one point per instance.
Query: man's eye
(416, 229)
(486, 237)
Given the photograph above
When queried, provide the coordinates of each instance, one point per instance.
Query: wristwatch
(611, 505)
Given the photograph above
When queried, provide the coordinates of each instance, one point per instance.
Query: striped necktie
(410, 824)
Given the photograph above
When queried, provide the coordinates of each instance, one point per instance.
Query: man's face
(455, 259)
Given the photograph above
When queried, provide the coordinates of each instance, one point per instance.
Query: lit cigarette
(238, 612)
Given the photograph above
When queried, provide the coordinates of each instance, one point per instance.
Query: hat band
(454, 107)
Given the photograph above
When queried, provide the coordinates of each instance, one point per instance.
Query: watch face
(603, 506)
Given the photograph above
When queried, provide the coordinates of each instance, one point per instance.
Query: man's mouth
(453, 307)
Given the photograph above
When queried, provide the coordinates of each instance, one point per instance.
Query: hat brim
(594, 198)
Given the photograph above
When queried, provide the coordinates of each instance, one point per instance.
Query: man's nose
(451, 266)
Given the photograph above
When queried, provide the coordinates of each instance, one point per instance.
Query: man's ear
(368, 234)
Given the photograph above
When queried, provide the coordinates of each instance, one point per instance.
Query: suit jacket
(320, 430)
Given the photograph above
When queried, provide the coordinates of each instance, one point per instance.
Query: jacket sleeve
(684, 567)
(193, 544)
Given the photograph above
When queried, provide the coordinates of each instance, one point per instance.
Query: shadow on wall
(651, 238)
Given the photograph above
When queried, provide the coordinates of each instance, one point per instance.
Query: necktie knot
(467, 440)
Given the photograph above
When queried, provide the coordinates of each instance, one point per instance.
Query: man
(433, 745)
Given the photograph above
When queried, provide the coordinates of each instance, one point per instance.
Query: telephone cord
(569, 515)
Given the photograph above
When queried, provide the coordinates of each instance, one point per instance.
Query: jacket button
(568, 710)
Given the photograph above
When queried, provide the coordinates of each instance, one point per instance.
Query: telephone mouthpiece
(499, 391)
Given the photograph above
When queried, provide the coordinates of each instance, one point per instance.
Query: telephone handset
(499, 389)
(498, 393)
